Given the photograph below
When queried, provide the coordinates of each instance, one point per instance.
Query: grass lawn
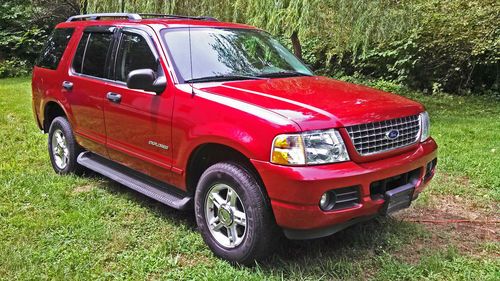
(69, 227)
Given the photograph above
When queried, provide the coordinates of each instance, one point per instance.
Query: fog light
(327, 201)
(429, 169)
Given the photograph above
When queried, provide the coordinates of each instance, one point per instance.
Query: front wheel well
(207, 155)
(51, 111)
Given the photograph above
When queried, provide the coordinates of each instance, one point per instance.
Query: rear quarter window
(54, 48)
(91, 54)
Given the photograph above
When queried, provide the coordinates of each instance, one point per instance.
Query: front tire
(233, 214)
(63, 148)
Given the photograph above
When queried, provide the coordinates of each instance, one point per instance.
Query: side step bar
(150, 187)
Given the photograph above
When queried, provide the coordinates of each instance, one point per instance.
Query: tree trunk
(84, 7)
(297, 48)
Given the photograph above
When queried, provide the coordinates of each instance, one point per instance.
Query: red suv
(220, 117)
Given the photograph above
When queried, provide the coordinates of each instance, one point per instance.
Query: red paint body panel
(203, 118)
(244, 115)
(318, 102)
(296, 190)
(131, 124)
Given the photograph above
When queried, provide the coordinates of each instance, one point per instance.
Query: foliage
(451, 45)
(19, 38)
(455, 46)
(14, 68)
(25, 26)
(143, 6)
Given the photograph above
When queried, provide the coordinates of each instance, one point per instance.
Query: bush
(14, 68)
(435, 45)
(25, 26)
(456, 47)
(22, 39)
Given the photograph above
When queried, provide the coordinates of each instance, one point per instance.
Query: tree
(25, 25)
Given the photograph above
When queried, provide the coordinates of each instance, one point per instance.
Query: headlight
(425, 126)
(309, 148)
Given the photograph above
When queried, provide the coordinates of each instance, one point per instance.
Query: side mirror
(147, 80)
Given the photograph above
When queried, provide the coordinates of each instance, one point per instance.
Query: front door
(138, 123)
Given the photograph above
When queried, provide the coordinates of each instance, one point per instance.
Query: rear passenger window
(133, 53)
(92, 52)
(80, 51)
(54, 48)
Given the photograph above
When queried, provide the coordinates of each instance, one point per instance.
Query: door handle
(114, 97)
(68, 86)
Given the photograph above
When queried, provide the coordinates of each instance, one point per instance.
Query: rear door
(138, 124)
(47, 78)
(87, 83)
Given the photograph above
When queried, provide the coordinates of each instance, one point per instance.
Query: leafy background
(431, 45)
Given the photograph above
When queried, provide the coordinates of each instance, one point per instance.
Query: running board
(150, 187)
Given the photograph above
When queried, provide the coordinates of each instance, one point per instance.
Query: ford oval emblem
(392, 134)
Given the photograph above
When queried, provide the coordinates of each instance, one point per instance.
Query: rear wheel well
(207, 155)
(51, 111)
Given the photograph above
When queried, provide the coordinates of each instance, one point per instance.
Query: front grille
(373, 138)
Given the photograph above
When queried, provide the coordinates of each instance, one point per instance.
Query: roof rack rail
(179, 17)
(129, 16)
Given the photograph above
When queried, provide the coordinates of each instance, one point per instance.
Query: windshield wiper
(283, 74)
(228, 77)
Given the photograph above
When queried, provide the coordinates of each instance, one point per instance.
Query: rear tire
(234, 215)
(63, 148)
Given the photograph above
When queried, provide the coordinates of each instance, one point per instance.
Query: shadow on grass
(343, 255)
(160, 210)
(349, 254)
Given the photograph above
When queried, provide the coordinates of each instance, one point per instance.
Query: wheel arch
(51, 110)
(207, 154)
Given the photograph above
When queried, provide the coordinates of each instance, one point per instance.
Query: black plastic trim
(398, 198)
(141, 183)
(297, 234)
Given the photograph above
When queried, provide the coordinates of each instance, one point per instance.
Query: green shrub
(24, 29)
(21, 37)
(14, 68)
(435, 45)
(456, 46)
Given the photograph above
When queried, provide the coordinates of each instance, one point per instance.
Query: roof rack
(178, 17)
(131, 16)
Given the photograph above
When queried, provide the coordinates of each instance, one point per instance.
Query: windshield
(230, 54)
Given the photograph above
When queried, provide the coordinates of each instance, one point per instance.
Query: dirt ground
(451, 220)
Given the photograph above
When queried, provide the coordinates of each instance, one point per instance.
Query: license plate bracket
(398, 198)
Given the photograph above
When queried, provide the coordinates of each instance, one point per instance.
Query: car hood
(317, 102)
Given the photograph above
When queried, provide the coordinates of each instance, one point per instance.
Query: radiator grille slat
(372, 138)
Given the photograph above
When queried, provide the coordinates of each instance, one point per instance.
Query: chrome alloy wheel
(225, 215)
(60, 149)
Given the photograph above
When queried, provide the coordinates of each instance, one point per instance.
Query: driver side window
(133, 53)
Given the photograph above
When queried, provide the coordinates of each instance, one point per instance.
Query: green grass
(54, 227)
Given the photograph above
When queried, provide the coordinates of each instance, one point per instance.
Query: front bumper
(295, 191)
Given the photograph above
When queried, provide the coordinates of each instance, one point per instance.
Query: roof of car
(167, 22)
